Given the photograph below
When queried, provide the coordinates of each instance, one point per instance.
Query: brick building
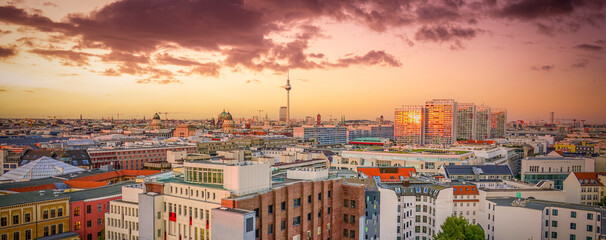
(88, 208)
(327, 209)
(133, 158)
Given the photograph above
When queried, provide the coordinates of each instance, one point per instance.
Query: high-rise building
(319, 120)
(440, 121)
(409, 124)
(482, 127)
(498, 119)
(466, 113)
(283, 113)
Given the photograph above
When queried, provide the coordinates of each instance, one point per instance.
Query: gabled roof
(465, 190)
(480, 169)
(387, 173)
(589, 178)
(41, 168)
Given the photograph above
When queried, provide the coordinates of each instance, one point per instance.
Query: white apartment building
(122, 220)
(422, 208)
(179, 207)
(519, 218)
(585, 188)
(423, 160)
(324, 135)
(466, 202)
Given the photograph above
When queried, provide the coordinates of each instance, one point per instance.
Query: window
(296, 221)
(88, 209)
(309, 199)
(270, 209)
(45, 214)
(60, 228)
(352, 219)
(53, 229)
(554, 212)
(590, 228)
(283, 206)
(590, 216)
(319, 196)
(573, 226)
(77, 225)
(554, 234)
(296, 202)
(52, 213)
(308, 216)
(99, 207)
(89, 223)
(554, 223)
(328, 210)
(4, 237)
(270, 229)
(16, 219)
(344, 232)
(46, 232)
(345, 203)
(345, 218)
(99, 222)
(3, 221)
(352, 233)
(89, 236)
(28, 234)
(60, 212)
(353, 203)
(329, 193)
(256, 212)
(249, 224)
(283, 225)
(16, 235)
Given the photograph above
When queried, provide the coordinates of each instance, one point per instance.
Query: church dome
(156, 116)
(228, 116)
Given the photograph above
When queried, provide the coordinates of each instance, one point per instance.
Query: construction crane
(54, 118)
(166, 117)
(260, 114)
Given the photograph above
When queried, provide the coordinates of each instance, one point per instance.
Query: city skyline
(67, 58)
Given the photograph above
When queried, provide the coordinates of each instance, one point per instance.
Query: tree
(602, 202)
(457, 228)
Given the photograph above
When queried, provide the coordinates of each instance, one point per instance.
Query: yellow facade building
(31, 215)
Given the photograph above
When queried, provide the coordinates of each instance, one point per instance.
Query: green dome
(156, 116)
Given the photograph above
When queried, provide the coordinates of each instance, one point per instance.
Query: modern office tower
(498, 119)
(325, 135)
(466, 113)
(409, 124)
(319, 120)
(482, 127)
(440, 121)
(283, 113)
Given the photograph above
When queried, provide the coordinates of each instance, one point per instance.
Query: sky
(359, 59)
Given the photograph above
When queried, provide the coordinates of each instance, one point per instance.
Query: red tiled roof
(84, 184)
(387, 173)
(34, 188)
(465, 190)
(589, 178)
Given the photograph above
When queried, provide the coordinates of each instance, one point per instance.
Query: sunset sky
(358, 58)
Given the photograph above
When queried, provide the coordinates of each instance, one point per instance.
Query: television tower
(288, 87)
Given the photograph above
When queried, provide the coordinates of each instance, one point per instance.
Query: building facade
(466, 122)
(409, 124)
(482, 124)
(440, 122)
(133, 158)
